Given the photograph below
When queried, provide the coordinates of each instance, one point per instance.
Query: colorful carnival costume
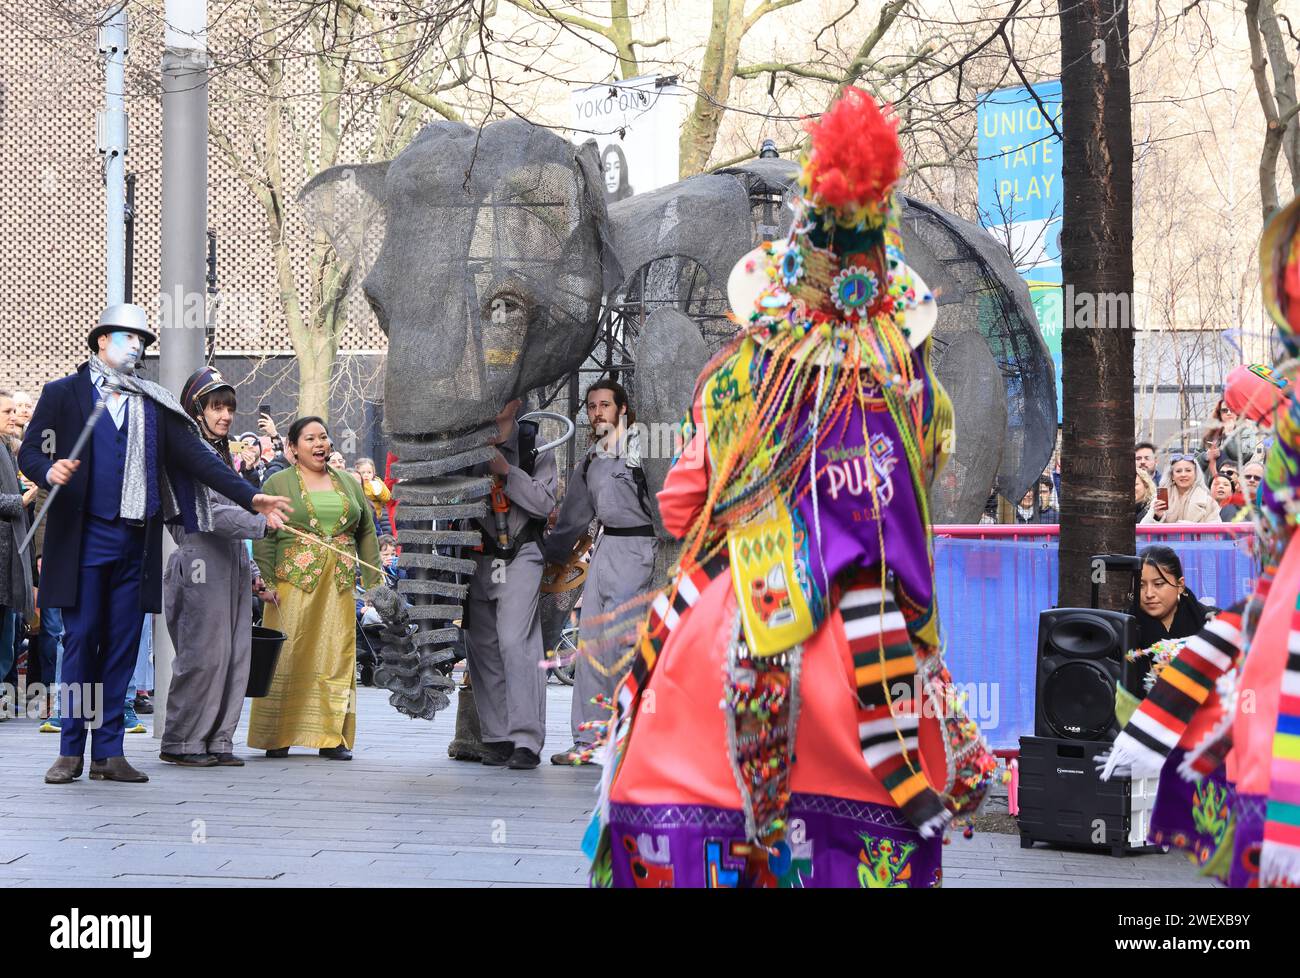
(1222, 723)
(788, 720)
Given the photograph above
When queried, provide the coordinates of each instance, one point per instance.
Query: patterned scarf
(145, 485)
(1186, 685)
(881, 662)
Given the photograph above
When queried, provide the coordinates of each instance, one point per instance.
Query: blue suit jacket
(60, 415)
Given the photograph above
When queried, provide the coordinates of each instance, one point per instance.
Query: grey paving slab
(400, 815)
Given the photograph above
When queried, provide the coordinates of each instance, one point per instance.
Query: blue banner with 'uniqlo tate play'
(1020, 194)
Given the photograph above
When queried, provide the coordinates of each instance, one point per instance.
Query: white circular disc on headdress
(749, 278)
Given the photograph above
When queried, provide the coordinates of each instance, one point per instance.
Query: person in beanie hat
(142, 464)
(210, 614)
(803, 604)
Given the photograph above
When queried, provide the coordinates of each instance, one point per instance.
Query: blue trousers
(142, 677)
(101, 635)
(51, 648)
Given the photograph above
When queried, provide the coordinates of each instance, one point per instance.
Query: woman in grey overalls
(208, 591)
(606, 485)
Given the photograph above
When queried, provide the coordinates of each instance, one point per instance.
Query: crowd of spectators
(1214, 484)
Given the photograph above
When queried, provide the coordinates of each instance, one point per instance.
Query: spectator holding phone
(1183, 496)
(266, 427)
(284, 457)
(247, 454)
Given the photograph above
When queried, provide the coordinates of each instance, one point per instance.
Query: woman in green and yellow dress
(312, 702)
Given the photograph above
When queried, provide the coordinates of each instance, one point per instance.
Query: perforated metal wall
(52, 276)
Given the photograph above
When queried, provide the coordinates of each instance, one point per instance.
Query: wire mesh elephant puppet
(679, 243)
(486, 257)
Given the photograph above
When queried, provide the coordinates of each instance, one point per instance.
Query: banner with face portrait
(636, 125)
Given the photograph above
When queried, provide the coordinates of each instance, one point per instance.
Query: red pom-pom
(856, 158)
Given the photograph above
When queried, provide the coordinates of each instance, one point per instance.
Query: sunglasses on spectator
(1181, 458)
(1252, 478)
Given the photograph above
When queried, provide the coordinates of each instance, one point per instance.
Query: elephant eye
(504, 306)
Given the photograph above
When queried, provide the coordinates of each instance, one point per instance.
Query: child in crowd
(377, 494)
(388, 559)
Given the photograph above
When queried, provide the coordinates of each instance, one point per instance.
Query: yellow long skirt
(313, 695)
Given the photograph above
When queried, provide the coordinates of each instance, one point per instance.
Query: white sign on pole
(636, 125)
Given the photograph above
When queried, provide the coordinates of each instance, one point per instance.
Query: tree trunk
(700, 131)
(620, 29)
(314, 375)
(1097, 264)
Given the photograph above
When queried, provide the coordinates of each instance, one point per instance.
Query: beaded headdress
(842, 261)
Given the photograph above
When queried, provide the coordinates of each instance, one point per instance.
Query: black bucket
(266, 653)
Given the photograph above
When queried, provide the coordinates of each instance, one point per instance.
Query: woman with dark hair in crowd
(1222, 490)
(1226, 442)
(1164, 606)
(311, 703)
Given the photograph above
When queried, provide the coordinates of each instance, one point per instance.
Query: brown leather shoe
(227, 759)
(64, 771)
(116, 769)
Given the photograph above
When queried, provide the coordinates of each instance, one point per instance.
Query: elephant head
(489, 279)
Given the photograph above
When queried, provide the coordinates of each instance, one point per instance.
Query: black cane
(95, 412)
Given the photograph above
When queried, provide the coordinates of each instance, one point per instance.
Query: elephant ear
(669, 356)
(968, 372)
(705, 219)
(980, 293)
(347, 203)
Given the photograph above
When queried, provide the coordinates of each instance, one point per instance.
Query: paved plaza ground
(401, 814)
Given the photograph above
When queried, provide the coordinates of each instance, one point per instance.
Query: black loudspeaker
(1064, 801)
(1080, 662)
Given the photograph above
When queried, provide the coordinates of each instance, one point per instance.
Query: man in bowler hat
(143, 464)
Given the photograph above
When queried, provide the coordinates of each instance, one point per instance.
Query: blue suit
(102, 571)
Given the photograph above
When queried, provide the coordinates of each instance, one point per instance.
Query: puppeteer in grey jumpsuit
(207, 588)
(603, 486)
(504, 634)
(208, 597)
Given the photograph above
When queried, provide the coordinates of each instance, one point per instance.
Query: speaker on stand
(1081, 660)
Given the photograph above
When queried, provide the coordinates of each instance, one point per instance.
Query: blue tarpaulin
(991, 592)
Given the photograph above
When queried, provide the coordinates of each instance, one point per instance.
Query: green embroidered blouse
(343, 518)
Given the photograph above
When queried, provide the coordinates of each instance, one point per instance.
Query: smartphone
(264, 409)
(1162, 494)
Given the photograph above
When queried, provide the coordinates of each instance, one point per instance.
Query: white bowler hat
(122, 317)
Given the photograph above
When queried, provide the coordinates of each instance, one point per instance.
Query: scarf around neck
(141, 495)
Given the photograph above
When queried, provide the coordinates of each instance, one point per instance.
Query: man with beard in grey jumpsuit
(504, 633)
(607, 485)
(208, 588)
